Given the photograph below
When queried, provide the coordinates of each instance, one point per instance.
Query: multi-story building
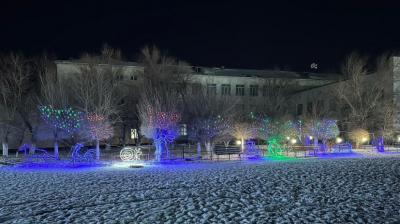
(249, 85)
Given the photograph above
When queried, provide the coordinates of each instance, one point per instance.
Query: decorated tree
(60, 122)
(325, 129)
(359, 136)
(245, 128)
(159, 114)
(95, 128)
(209, 130)
(277, 132)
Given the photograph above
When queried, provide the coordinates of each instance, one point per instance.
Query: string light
(66, 119)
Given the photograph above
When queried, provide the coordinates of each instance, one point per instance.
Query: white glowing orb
(339, 140)
(364, 139)
(293, 141)
(239, 142)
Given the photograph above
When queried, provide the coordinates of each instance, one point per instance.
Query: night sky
(236, 34)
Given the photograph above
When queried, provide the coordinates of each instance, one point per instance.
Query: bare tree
(96, 93)
(209, 117)
(53, 93)
(359, 95)
(276, 93)
(16, 89)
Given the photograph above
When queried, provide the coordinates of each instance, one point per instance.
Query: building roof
(98, 60)
(263, 73)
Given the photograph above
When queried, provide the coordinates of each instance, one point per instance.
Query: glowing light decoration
(129, 154)
(251, 149)
(274, 148)
(342, 147)
(380, 147)
(164, 129)
(77, 156)
(41, 156)
(66, 119)
(100, 128)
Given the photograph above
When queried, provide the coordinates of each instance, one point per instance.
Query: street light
(339, 140)
(293, 141)
(239, 142)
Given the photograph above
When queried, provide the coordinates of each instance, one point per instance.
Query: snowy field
(336, 190)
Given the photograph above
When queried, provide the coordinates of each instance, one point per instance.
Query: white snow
(338, 190)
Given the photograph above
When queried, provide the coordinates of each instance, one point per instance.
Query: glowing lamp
(311, 137)
(239, 142)
(339, 140)
(364, 139)
(287, 138)
(293, 141)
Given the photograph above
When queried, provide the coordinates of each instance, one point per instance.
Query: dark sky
(236, 34)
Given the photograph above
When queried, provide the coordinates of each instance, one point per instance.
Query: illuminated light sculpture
(380, 147)
(274, 148)
(41, 156)
(129, 154)
(66, 119)
(341, 147)
(87, 157)
(251, 149)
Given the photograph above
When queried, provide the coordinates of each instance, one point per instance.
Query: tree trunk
(242, 145)
(315, 143)
(5, 147)
(123, 135)
(33, 145)
(226, 143)
(97, 149)
(198, 149)
(56, 144)
(158, 152)
(107, 145)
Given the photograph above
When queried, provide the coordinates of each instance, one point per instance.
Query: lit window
(183, 129)
(134, 134)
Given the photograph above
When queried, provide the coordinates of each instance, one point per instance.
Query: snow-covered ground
(335, 190)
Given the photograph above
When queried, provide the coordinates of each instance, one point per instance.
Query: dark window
(239, 90)
(131, 77)
(264, 90)
(253, 90)
(299, 109)
(254, 108)
(332, 104)
(225, 89)
(196, 89)
(211, 89)
(309, 107)
(320, 106)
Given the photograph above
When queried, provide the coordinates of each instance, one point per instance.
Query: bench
(342, 147)
(222, 150)
(302, 148)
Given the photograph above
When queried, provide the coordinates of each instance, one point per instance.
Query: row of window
(226, 89)
(121, 77)
(320, 106)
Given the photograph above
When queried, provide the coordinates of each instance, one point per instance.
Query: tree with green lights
(60, 122)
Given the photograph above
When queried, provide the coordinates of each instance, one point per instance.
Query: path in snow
(346, 190)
